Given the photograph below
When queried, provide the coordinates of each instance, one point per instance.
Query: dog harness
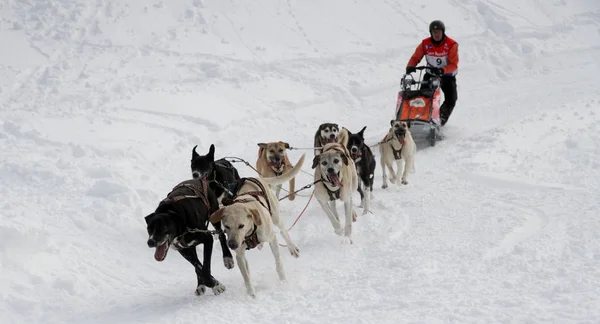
(251, 239)
(333, 195)
(198, 192)
(397, 152)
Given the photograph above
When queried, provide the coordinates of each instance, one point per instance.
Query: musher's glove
(410, 69)
(436, 71)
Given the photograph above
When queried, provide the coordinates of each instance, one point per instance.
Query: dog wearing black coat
(221, 174)
(180, 222)
(365, 167)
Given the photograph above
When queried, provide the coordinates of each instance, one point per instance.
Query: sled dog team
(243, 210)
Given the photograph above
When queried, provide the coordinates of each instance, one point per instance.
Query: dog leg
(192, 257)
(279, 223)
(383, 172)
(362, 194)
(240, 256)
(367, 206)
(393, 174)
(278, 264)
(333, 209)
(405, 172)
(209, 280)
(291, 246)
(332, 217)
(399, 163)
(349, 211)
(227, 257)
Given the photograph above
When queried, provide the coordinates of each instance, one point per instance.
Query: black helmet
(437, 25)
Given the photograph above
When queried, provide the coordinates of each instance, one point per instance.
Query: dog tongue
(333, 178)
(161, 252)
(402, 140)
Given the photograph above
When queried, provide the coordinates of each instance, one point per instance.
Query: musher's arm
(417, 56)
(452, 59)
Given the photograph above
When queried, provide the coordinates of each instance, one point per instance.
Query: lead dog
(248, 218)
(336, 179)
(365, 167)
(397, 145)
(180, 222)
(329, 133)
(273, 161)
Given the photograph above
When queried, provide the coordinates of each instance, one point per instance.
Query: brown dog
(273, 162)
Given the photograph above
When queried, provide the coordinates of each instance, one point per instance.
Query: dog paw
(384, 186)
(404, 182)
(347, 240)
(218, 289)
(338, 231)
(228, 262)
(366, 211)
(200, 290)
(294, 251)
(251, 292)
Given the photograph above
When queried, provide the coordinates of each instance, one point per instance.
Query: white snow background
(102, 101)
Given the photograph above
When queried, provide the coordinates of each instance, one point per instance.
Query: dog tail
(275, 181)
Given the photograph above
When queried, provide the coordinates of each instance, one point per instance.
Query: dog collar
(251, 240)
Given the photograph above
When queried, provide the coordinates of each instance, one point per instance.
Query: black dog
(181, 222)
(365, 166)
(221, 174)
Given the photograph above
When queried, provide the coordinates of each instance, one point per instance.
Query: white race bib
(437, 61)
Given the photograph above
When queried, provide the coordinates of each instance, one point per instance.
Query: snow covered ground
(101, 103)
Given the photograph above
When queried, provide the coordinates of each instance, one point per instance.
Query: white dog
(248, 220)
(336, 179)
(397, 145)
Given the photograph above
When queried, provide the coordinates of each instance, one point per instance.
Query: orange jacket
(444, 55)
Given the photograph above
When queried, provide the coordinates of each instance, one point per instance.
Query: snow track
(101, 103)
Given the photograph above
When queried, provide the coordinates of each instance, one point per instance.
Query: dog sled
(419, 104)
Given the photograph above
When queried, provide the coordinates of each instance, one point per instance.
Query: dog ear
(408, 124)
(211, 152)
(255, 215)
(344, 158)
(262, 145)
(362, 132)
(316, 161)
(392, 122)
(147, 218)
(194, 153)
(217, 216)
(287, 145)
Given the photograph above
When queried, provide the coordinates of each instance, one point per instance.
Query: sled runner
(419, 103)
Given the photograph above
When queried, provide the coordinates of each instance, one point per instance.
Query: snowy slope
(101, 103)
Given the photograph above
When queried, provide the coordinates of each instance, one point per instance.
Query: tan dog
(337, 179)
(329, 133)
(248, 219)
(397, 145)
(273, 162)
